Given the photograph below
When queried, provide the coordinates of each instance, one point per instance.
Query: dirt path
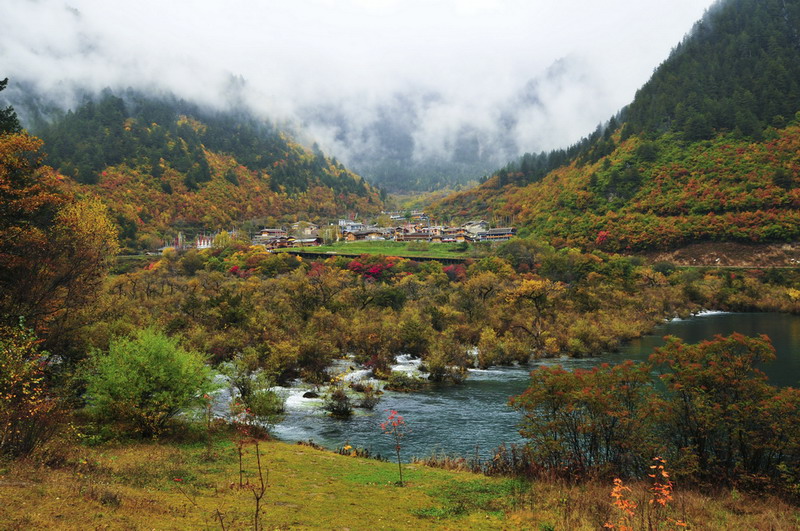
(731, 254)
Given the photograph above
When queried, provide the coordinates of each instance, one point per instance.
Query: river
(475, 416)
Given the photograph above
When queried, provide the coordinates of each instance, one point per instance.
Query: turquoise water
(475, 416)
(782, 329)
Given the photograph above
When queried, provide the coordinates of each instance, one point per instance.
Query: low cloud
(508, 76)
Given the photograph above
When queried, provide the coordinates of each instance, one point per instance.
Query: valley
(295, 302)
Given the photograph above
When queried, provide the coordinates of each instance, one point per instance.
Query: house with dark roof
(414, 236)
(369, 234)
(500, 234)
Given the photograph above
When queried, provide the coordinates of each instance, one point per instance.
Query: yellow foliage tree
(26, 411)
(54, 250)
(533, 302)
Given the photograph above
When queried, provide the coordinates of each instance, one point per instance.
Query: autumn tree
(533, 303)
(225, 240)
(723, 418)
(29, 204)
(595, 420)
(27, 411)
(475, 296)
(316, 288)
(54, 250)
(383, 221)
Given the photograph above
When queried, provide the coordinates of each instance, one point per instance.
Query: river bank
(474, 418)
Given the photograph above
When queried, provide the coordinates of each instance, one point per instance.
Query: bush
(338, 404)
(664, 267)
(266, 405)
(721, 416)
(418, 246)
(489, 349)
(26, 411)
(254, 387)
(145, 380)
(402, 382)
(710, 410)
(590, 421)
(447, 360)
(370, 396)
(500, 351)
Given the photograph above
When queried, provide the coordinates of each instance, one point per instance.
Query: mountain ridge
(160, 165)
(675, 166)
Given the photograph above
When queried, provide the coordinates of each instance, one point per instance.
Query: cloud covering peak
(513, 75)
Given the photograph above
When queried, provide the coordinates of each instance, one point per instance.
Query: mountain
(389, 145)
(421, 140)
(708, 150)
(165, 164)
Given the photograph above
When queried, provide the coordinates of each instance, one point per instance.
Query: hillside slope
(726, 189)
(164, 165)
(708, 150)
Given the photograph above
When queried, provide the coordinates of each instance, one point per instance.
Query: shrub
(402, 382)
(489, 349)
(664, 267)
(418, 246)
(447, 360)
(369, 400)
(266, 405)
(586, 421)
(254, 387)
(721, 415)
(370, 396)
(501, 351)
(145, 380)
(710, 409)
(338, 404)
(26, 411)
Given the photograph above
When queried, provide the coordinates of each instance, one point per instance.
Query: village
(406, 226)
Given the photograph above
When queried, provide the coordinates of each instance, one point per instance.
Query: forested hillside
(165, 164)
(708, 150)
(738, 70)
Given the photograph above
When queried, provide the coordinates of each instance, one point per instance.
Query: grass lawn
(404, 249)
(149, 485)
(135, 486)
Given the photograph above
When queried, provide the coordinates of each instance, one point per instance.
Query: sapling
(258, 490)
(396, 427)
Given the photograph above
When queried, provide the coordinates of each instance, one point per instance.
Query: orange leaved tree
(54, 250)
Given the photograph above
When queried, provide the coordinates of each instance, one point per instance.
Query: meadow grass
(151, 485)
(162, 486)
(391, 248)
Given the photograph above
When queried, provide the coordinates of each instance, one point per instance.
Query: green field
(404, 249)
(158, 485)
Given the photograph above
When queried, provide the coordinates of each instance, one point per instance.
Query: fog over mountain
(445, 88)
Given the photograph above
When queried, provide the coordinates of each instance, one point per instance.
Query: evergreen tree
(8, 117)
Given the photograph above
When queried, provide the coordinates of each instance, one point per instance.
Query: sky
(540, 74)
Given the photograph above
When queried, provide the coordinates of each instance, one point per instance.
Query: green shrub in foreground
(145, 380)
